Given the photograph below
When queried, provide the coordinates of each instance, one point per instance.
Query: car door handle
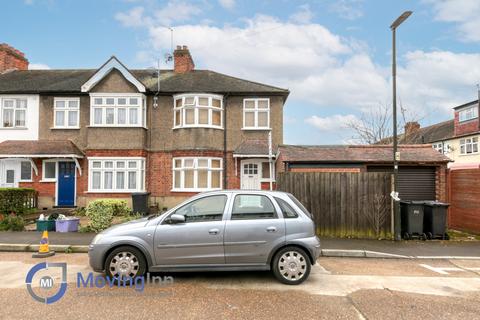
(213, 231)
(271, 229)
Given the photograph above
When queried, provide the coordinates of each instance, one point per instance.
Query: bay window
(118, 110)
(197, 174)
(66, 113)
(116, 174)
(198, 110)
(256, 114)
(14, 112)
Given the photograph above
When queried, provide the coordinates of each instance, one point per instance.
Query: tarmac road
(338, 288)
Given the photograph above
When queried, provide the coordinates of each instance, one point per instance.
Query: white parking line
(444, 270)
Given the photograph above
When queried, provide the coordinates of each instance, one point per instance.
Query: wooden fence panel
(464, 198)
(343, 204)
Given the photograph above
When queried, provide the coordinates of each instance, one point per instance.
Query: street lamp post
(396, 155)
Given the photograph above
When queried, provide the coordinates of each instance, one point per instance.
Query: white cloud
(133, 18)
(333, 123)
(38, 66)
(176, 11)
(303, 15)
(464, 13)
(319, 67)
(227, 4)
(347, 9)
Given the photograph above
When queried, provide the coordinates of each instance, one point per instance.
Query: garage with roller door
(414, 182)
(422, 170)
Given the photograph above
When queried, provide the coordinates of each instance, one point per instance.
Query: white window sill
(48, 180)
(13, 128)
(469, 154)
(119, 126)
(257, 129)
(195, 190)
(25, 180)
(65, 128)
(114, 191)
(199, 126)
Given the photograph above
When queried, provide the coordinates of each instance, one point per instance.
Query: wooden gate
(464, 198)
(344, 204)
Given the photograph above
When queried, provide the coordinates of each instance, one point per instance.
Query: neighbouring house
(457, 138)
(77, 135)
(422, 170)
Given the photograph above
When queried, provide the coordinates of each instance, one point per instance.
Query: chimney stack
(183, 61)
(11, 59)
(411, 128)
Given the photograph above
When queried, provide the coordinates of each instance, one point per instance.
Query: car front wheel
(291, 265)
(125, 262)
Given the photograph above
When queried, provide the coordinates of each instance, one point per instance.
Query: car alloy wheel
(291, 265)
(125, 262)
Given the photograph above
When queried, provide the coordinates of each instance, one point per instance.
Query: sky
(334, 56)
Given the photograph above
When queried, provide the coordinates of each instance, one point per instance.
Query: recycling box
(67, 225)
(45, 225)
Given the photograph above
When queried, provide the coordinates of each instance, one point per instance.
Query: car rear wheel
(291, 265)
(125, 262)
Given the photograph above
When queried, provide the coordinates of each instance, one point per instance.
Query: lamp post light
(396, 154)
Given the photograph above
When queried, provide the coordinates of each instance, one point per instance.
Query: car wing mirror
(177, 218)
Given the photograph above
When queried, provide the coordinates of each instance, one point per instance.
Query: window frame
(281, 202)
(45, 179)
(463, 114)
(141, 114)
(465, 142)
(20, 179)
(195, 168)
(14, 109)
(66, 109)
(196, 107)
(139, 172)
(256, 110)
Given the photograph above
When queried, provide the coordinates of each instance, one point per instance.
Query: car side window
(204, 209)
(251, 206)
(287, 210)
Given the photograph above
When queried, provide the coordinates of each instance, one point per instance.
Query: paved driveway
(339, 288)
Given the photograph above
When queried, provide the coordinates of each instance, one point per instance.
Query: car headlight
(97, 238)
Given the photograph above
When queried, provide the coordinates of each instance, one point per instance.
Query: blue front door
(66, 184)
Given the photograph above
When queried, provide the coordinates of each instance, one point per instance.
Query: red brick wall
(441, 183)
(466, 127)
(11, 58)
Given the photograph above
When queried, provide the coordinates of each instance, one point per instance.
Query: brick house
(422, 170)
(78, 135)
(457, 138)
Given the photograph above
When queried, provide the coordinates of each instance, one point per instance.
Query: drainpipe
(225, 141)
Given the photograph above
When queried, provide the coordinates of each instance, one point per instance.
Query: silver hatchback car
(215, 231)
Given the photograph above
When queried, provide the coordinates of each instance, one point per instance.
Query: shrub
(101, 213)
(12, 222)
(17, 200)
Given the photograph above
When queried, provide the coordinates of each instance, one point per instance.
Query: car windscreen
(300, 205)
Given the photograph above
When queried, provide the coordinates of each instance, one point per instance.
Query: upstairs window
(14, 112)
(67, 113)
(468, 114)
(469, 145)
(117, 111)
(256, 114)
(201, 110)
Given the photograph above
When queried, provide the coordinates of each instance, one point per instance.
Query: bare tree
(377, 213)
(375, 125)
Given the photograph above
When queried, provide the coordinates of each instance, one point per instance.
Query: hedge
(17, 200)
(102, 211)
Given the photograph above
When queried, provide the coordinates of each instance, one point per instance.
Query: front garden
(17, 214)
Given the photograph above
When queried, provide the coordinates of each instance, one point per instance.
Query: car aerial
(224, 230)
